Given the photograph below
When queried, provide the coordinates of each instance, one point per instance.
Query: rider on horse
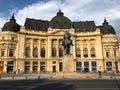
(67, 42)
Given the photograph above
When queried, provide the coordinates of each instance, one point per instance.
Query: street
(44, 84)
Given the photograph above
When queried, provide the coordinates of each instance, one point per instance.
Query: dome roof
(107, 29)
(60, 22)
(11, 25)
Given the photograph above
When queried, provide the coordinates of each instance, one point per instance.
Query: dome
(107, 29)
(11, 25)
(60, 22)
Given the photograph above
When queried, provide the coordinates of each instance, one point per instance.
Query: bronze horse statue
(67, 42)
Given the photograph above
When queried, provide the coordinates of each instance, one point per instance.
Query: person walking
(99, 73)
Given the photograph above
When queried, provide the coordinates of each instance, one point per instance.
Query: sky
(75, 10)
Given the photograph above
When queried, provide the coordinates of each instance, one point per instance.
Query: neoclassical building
(36, 46)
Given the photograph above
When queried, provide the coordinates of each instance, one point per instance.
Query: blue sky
(76, 10)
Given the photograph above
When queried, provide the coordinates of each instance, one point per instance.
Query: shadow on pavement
(57, 86)
(117, 83)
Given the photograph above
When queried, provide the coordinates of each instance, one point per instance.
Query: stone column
(90, 66)
(16, 65)
(89, 48)
(46, 48)
(6, 50)
(57, 48)
(39, 48)
(31, 49)
(81, 48)
(5, 67)
(82, 65)
(31, 66)
(49, 47)
(74, 51)
(38, 67)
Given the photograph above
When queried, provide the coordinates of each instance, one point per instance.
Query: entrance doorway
(54, 68)
(10, 69)
(116, 67)
(1, 66)
(86, 66)
(60, 67)
(78, 66)
(10, 65)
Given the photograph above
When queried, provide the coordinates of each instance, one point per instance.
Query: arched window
(61, 52)
(85, 52)
(43, 52)
(78, 54)
(27, 52)
(92, 52)
(35, 52)
(54, 52)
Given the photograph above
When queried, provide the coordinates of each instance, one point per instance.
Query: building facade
(36, 46)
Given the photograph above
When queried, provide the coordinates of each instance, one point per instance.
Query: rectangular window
(11, 52)
(27, 67)
(42, 66)
(94, 66)
(35, 66)
(109, 66)
(79, 67)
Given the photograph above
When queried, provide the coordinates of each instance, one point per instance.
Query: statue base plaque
(68, 64)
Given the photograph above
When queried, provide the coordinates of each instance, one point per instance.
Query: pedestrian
(99, 73)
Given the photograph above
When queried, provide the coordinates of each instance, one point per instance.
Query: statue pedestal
(68, 64)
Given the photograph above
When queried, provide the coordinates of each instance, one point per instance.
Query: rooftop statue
(67, 42)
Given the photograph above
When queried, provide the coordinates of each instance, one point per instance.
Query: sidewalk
(60, 76)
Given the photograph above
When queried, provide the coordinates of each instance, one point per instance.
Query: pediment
(58, 32)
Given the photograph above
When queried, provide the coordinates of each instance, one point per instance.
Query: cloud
(76, 10)
(116, 25)
(2, 21)
(46, 10)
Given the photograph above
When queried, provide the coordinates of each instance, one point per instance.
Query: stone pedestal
(68, 64)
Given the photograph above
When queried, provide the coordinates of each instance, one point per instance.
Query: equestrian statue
(67, 42)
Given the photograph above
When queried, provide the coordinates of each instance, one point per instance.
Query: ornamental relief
(109, 40)
(27, 45)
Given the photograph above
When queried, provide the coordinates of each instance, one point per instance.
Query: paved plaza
(60, 81)
(60, 76)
